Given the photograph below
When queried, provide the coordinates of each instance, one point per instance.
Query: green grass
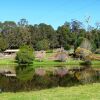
(44, 62)
(7, 62)
(48, 63)
(68, 62)
(86, 92)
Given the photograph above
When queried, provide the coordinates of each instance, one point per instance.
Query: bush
(25, 55)
(83, 53)
(61, 57)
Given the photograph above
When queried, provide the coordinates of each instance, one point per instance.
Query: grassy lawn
(44, 62)
(7, 61)
(68, 62)
(48, 63)
(86, 92)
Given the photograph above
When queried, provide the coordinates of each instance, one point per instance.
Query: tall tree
(63, 35)
(23, 22)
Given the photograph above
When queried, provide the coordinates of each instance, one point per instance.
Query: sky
(53, 12)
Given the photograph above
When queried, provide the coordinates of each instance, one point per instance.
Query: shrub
(61, 55)
(83, 53)
(25, 55)
(40, 55)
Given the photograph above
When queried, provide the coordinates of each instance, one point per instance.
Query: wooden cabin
(10, 51)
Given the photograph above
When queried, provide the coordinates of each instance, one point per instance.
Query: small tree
(25, 55)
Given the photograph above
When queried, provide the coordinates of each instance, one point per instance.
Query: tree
(23, 22)
(97, 33)
(41, 32)
(35, 35)
(3, 44)
(24, 36)
(63, 35)
(11, 24)
(10, 33)
(76, 25)
(25, 56)
(86, 44)
(78, 42)
(43, 45)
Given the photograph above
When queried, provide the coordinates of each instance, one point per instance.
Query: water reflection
(38, 77)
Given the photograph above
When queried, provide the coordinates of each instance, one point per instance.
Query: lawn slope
(85, 92)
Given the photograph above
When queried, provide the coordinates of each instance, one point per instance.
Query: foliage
(40, 55)
(42, 45)
(79, 41)
(63, 35)
(67, 47)
(82, 53)
(3, 44)
(25, 55)
(86, 44)
(43, 36)
(61, 56)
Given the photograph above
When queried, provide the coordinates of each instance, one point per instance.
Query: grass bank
(48, 63)
(85, 92)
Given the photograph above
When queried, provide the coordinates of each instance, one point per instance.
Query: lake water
(46, 77)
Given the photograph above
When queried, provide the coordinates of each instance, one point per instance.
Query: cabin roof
(11, 50)
(10, 75)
